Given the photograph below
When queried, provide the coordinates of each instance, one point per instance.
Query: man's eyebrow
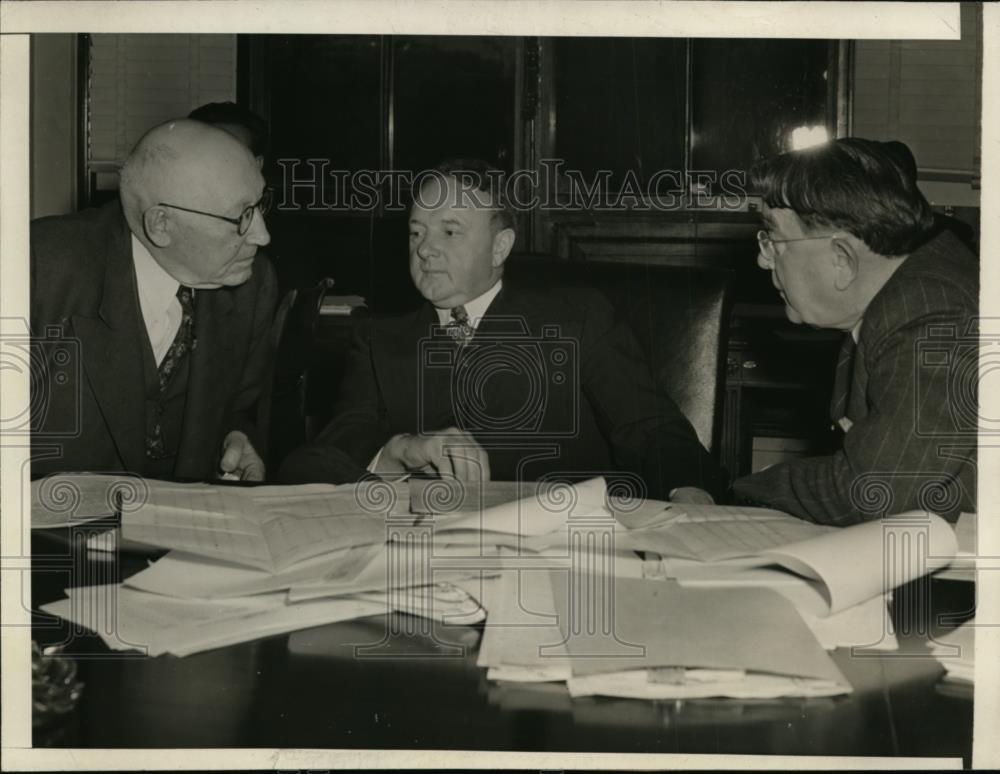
(452, 221)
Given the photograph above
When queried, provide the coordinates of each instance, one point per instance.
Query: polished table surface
(423, 690)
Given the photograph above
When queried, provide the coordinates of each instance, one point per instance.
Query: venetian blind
(137, 81)
(927, 94)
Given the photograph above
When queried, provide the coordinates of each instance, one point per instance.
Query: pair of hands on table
(455, 453)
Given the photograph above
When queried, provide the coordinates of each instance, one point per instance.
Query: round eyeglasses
(244, 221)
(767, 244)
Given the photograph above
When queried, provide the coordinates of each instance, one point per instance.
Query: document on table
(522, 641)
(862, 561)
(963, 566)
(180, 574)
(269, 528)
(660, 624)
(364, 570)
(128, 619)
(848, 565)
(711, 533)
(65, 499)
(863, 625)
(546, 510)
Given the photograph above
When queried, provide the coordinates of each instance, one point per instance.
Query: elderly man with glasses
(150, 316)
(851, 244)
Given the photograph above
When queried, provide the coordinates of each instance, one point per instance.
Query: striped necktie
(842, 380)
(460, 329)
(183, 343)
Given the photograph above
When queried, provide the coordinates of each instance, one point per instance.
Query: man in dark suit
(490, 380)
(164, 309)
(850, 243)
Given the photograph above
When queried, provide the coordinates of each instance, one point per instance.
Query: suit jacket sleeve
(647, 432)
(257, 365)
(907, 453)
(341, 452)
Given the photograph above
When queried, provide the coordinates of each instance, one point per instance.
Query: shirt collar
(156, 288)
(856, 330)
(475, 308)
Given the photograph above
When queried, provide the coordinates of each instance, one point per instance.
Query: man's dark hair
(216, 113)
(479, 175)
(865, 187)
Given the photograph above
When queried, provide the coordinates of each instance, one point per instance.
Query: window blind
(137, 81)
(926, 94)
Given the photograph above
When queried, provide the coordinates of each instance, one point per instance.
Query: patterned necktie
(183, 343)
(460, 329)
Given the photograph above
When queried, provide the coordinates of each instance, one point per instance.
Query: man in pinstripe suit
(851, 244)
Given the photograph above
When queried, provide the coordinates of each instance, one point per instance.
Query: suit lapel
(406, 373)
(111, 351)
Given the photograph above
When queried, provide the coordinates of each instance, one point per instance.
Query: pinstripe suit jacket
(911, 403)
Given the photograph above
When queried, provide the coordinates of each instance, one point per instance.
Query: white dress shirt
(476, 309)
(161, 311)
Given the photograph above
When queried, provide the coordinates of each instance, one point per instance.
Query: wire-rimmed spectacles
(244, 221)
(767, 244)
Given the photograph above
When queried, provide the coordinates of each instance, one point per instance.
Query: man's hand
(691, 494)
(450, 452)
(239, 458)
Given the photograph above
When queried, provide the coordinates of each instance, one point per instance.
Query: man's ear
(846, 262)
(503, 242)
(156, 225)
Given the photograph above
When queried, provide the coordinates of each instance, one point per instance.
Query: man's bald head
(176, 175)
(183, 160)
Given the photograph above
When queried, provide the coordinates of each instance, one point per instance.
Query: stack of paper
(128, 619)
(957, 652)
(249, 562)
(839, 579)
(637, 638)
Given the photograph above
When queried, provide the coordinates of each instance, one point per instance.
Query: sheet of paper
(382, 571)
(547, 512)
(65, 499)
(866, 560)
(641, 514)
(201, 519)
(714, 533)
(131, 619)
(637, 685)
(179, 574)
(270, 529)
(659, 623)
(863, 625)
(445, 602)
(963, 566)
(446, 496)
(525, 624)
